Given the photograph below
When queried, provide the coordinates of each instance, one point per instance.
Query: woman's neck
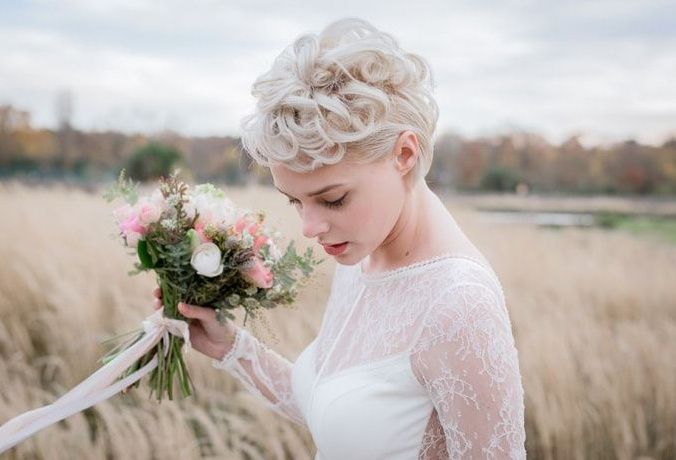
(413, 234)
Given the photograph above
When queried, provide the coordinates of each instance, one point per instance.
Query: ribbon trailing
(102, 384)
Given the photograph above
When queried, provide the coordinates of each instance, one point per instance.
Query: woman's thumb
(187, 310)
(195, 311)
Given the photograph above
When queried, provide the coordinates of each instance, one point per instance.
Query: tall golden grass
(593, 313)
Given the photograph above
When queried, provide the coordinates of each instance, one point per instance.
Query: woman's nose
(314, 225)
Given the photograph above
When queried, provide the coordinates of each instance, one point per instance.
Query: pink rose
(259, 241)
(149, 213)
(123, 212)
(132, 224)
(259, 274)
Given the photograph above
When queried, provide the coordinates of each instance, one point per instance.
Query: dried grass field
(593, 312)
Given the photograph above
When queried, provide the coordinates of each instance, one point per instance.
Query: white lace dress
(413, 363)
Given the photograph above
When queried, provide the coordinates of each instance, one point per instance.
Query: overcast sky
(605, 70)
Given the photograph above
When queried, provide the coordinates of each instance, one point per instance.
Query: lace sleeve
(467, 362)
(263, 372)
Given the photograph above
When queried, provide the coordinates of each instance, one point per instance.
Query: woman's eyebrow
(318, 192)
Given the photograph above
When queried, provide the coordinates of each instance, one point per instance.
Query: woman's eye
(336, 204)
(329, 204)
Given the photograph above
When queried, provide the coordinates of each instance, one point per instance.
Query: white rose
(227, 216)
(206, 260)
(213, 209)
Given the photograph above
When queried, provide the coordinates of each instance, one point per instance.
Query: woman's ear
(406, 152)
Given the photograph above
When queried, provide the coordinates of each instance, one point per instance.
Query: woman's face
(346, 202)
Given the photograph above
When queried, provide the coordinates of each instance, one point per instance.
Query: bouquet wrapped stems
(174, 365)
(171, 364)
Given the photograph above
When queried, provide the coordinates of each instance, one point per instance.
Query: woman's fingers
(197, 312)
(157, 303)
(188, 310)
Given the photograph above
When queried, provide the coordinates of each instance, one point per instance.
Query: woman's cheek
(367, 220)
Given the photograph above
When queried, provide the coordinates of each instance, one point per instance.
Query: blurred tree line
(71, 154)
(514, 162)
(527, 161)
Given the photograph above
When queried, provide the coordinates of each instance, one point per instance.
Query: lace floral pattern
(263, 372)
(467, 361)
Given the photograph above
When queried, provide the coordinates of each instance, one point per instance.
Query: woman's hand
(207, 335)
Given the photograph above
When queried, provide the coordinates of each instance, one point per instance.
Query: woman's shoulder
(468, 276)
(464, 268)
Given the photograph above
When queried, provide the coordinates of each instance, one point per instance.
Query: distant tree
(635, 171)
(12, 120)
(152, 161)
(500, 179)
(666, 163)
(64, 113)
(468, 165)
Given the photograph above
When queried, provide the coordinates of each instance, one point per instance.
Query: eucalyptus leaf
(144, 255)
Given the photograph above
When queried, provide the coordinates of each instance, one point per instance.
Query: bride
(415, 357)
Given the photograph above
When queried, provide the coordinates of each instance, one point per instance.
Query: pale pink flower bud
(259, 274)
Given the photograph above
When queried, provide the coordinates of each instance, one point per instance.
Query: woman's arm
(263, 372)
(467, 362)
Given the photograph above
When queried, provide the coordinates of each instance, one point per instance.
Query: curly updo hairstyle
(345, 93)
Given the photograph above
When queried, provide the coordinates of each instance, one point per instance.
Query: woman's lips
(335, 249)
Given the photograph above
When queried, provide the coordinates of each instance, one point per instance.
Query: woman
(415, 356)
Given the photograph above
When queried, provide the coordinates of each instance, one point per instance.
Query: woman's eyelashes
(329, 204)
(335, 204)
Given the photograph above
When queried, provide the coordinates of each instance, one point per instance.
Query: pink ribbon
(101, 385)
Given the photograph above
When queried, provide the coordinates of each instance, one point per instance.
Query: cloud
(561, 68)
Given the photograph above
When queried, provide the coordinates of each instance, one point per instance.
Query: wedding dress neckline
(412, 268)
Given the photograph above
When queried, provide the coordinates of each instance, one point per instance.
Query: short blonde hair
(347, 92)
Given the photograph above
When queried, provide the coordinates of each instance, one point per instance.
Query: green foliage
(609, 219)
(152, 161)
(144, 255)
(287, 281)
(500, 179)
(661, 227)
(124, 188)
(291, 260)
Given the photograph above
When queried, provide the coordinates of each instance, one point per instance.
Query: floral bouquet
(204, 251)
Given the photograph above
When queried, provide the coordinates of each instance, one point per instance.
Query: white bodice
(417, 362)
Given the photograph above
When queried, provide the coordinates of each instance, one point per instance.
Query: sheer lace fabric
(418, 362)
